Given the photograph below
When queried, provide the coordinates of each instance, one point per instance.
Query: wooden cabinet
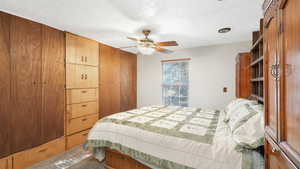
(29, 157)
(289, 112)
(282, 31)
(117, 80)
(32, 84)
(81, 50)
(82, 82)
(5, 78)
(243, 75)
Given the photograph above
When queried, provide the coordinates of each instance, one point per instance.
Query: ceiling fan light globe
(145, 50)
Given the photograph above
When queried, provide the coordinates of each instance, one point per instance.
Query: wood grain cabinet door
(270, 54)
(5, 78)
(26, 90)
(72, 45)
(290, 79)
(128, 78)
(53, 76)
(91, 77)
(89, 51)
(75, 76)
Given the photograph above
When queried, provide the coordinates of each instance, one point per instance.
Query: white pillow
(232, 107)
(250, 135)
(240, 116)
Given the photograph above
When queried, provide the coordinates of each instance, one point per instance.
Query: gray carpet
(75, 158)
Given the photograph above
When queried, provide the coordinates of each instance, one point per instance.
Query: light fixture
(146, 48)
(224, 30)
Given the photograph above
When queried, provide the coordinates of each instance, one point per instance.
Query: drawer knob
(274, 150)
(84, 105)
(83, 119)
(84, 91)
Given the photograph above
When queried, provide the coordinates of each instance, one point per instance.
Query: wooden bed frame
(117, 160)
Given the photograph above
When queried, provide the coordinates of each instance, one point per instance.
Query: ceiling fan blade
(162, 50)
(128, 47)
(168, 43)
(134, 39)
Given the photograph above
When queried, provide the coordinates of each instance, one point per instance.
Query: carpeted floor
(75, 158)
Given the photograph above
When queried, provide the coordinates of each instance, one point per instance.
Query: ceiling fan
(147, 46)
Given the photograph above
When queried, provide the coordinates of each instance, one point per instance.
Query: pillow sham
(232, 107)
(240, 116)
(250, 135)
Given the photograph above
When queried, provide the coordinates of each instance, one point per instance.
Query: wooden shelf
(257, 61)
(259, 79)
(259, 98)
(257, 42)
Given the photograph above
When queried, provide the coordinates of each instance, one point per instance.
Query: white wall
(211, 69)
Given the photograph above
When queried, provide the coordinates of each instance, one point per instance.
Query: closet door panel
(271, 35)
(53, 84)
(290, 89)
(128, 79)
(26, 89)
(109, 65)
(109, 99)
(4, 84)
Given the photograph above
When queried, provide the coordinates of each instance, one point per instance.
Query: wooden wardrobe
(282, 87)
(31, 84)
(118, 80)
(243, 75)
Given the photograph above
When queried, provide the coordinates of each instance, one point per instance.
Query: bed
(169, 137)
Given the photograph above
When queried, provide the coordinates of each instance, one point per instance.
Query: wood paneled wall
(32, 84)
(118, 80)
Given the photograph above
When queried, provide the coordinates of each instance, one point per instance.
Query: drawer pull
(83, 91)
(84, 105)
(43, 150)
(86, 76)
(274, 150)
(83, 119)
(82, 76)
(85, 134)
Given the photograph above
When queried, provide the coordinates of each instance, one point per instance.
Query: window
(175, 83)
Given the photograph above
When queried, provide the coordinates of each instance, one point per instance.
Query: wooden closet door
(53, 75)
(4, 84)
(290, 79)
(26, 104)
(270, 42)
(109, 96)
(128, 77)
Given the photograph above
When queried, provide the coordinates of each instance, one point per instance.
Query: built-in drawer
(81, 95)
(82, 109)
(81, 123)
(6, 163)
(77, 139)
(29, 157)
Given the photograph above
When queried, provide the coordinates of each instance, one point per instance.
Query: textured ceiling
(191, 22)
